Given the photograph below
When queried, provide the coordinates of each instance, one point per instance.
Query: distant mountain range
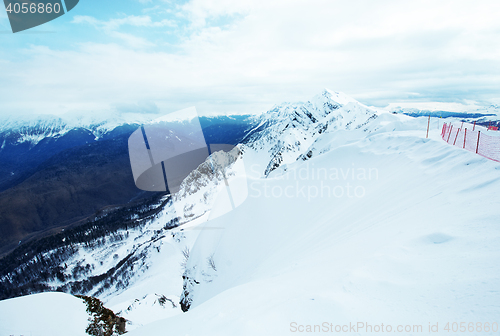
(487, 115)
(89, 191)
(343, 207)
(56, 172)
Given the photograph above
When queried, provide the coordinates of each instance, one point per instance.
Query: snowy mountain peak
(288, 130)
(35, 128)
(305, 243)
(338, 97)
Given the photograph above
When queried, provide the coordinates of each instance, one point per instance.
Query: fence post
(478, 135)
(456, 136)
(451, 129)
(443, 131)
(465, 136)
(428, 123)
(462, 125)
(473, 128)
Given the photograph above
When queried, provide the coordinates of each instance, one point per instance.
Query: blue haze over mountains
(59, 180)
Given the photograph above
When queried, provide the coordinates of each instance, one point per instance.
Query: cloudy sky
(245, 56)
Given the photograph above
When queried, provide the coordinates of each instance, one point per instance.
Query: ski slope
(361, 220)
(419, 246)
(45, 314)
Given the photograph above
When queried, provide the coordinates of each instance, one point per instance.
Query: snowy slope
(287, 130)
(404, 245)
(414, 249)
(46, 314)
(351, 216)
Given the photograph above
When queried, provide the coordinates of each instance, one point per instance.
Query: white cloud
(199, 11)
(112, 26)
(131, 40)
(86, 19)
(131, 20)
(273, 51)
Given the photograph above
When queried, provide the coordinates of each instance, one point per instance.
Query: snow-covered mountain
(26, 141)
(286, 131)
(352, 216)
(35, 128)
(89, 156)
(470, 113)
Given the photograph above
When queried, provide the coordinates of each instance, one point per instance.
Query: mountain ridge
(289, 250)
